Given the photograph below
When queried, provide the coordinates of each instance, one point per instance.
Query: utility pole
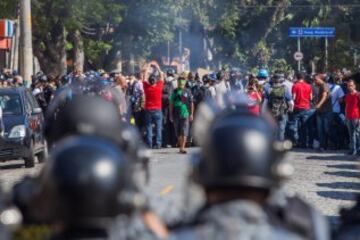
(299, 50)
(181, 50)
(26, 50)
(168, 53)
(326, 54)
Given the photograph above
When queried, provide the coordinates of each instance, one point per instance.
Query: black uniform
(237, 160)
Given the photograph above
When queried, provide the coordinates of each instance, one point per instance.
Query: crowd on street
(99, 127)
(319, 111)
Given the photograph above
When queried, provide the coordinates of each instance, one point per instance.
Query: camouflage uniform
(296, 215)
(235, 220)
(129, 228)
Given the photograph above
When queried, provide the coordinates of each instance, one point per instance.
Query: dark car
(23, 122)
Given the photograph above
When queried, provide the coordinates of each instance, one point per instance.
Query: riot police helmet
(83, 115)
(170, 72)
(88, 179)
(238, 149)
(93, 116)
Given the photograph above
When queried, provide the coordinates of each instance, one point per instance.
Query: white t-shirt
(221, 89)
(212, 92)
(336, 93)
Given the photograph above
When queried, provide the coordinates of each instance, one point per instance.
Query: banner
(6, 28)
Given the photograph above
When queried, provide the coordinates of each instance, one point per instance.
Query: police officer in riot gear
(88, 115)
(237, 168)
(82, 115)
(88, 189)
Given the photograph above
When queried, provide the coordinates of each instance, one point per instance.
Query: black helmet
(94, 116)
(86, 115)
(88, 178)
(170, 72)
(239, 150)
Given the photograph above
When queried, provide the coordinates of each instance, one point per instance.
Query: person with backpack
(279, 102)
(181, 112)
(352, 110)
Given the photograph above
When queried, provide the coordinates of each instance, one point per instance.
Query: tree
(62, 26)
(98, 33)
(8, 9)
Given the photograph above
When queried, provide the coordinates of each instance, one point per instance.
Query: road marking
(166, 190)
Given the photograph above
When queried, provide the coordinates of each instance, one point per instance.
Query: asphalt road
(328, 181)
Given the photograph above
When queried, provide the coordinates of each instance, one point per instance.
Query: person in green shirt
(181, 112)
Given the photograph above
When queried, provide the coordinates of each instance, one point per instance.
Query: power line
(303, 6)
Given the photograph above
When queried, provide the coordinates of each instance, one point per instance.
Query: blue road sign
(312, 32)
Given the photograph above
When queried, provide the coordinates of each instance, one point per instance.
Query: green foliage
(238, 32)
(280, 65)
(8, 9)
(95, 49)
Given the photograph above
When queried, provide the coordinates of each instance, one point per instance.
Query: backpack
(277, 102)
(198, 93)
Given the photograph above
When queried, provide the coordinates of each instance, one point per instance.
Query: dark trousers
(338, 134)
(323, 122)
(301, 127)
(281, 128)
(140, 123)
(354, 131)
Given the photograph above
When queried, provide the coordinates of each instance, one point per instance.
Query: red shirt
(352, 106)
(302, 92)
(256, 108)
(153, 95)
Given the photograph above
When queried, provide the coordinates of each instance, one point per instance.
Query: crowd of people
(92, 185)
(319, 111)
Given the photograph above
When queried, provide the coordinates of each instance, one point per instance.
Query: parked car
(23, 121)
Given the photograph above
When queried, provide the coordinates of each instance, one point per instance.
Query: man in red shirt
(153, 89)
(302, 95)
(352, 101)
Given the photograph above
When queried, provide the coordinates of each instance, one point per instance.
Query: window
(30, 98)
(10, 104)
